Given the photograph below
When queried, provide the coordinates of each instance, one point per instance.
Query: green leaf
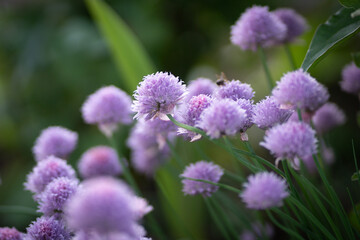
(130, 57)
(350, 3)
(338, 27)
(356, 58)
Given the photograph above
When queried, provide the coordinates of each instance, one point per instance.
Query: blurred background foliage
(52, 56)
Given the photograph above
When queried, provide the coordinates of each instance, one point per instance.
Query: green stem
(251, 150)
(292, 233)
(18, 210)
(266, 68)
(217, 220)
(299, 114)
(290, 56)
(227, 187)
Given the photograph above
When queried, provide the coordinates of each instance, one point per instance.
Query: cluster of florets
(107, 107)
(351, 79)
(10, 234)
(258, 27)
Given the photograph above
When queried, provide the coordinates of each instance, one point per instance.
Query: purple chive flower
(268, 113)
(46, 228)
(106, 205)
(290, 140)
(248, 106)
(295, 23)
(46, 171)
(328, 117)
(109, 236)
(264, 190)
(157, 95)
(258, 231)
(98, 161)
(235, 90)
(200, 86)
(222, 117)
(204, 171)
(10, 234)
(56, 141)
(107, 107)
(257, 27)
(191, 115)
(351, 79)
(56, 194)
(298, 89)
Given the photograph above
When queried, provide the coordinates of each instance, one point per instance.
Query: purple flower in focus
(222, 117)
(257, 27)
(204, 171)
(267, 113)
(351, 79)
(328, 117)
(56, 194)
(234, 90)
(191, 115)
(248, 106)
(290, 140)
(157, 95)
(295, 23)
(298, 89)
(56, 141)
(10, 234)
(264, 190)
(46, 228)
(98, 161)
(46, 171)
(106, 205)
(200, 86)
(107, 107)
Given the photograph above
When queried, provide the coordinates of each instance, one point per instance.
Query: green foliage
(356, 58)
(350, 3)
(338, 27)
(130, 57)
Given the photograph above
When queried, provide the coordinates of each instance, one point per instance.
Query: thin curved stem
(266, 68)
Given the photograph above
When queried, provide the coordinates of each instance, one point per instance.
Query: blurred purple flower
(157, 95)
(328, 117)
(107, 107)
(46, 228)
(200, 86)
(46, 171)
(204, 171)
(10, 234)
(264, 190)
(106, 205)
(56, 194)
(56, 141)
(295, 23)
(267, 113)
(290, 140)
(234, 90)
(98, 161)
(258, 231)
(298, 89)
(351, 79)
(257, 27)
(222, 117)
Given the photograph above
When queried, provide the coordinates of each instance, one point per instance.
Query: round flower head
(56, 194)
(248, 106)
(191, 116)
(157, 95)
(106, 205)
(298, 89)
(268, 113)
(328, 117)
(204, 171)
(200, 86)
(351, 79)
(10, 234)
(100, 160)
(222, 117)
(235, 90)
(295, 23)
(258, 231)
(290, 140)
(257, 27)
(264, 190)
(46, 228)
(107, 107)
(46, 171)
(56, 141)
